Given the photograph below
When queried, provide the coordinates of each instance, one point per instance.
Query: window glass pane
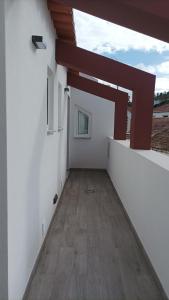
(83, 123)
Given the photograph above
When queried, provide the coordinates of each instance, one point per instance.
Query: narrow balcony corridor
(91, 252)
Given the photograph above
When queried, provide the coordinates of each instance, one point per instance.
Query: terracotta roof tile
(63, 21)
(160, 134)
(162, 108)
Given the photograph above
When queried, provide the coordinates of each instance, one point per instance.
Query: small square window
(82, 123)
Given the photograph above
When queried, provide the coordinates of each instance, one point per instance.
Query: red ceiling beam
(142, 114)
(151, 19)
(100, 67)
(59, 8)
(140, 82)
(119, 97)
(120, 118)
(157, 8)
(95, 88)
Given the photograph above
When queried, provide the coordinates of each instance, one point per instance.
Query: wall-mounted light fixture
(38, 42)
(66, 89)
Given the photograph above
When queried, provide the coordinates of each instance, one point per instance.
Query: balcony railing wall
(141, 179)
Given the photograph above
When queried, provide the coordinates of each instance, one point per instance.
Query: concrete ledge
(141, 179)
(154, 156)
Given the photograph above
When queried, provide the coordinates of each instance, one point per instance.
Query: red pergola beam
(120, 119)
(157, 8)
(148, 18)
(95, 88)
(119, 97)
(100, 67)
(140, 82)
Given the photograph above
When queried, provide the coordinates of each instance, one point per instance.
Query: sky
(125, 45)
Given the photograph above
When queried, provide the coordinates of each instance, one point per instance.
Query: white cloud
(162, 84)
(101, 36)
(163, 68)
(162, 72)
(146, 68)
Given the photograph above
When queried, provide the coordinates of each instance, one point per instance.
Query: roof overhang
(62, 17)
(147, 17)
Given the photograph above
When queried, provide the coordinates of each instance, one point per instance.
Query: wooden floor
(91, 252)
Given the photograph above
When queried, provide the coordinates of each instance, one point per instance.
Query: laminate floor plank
(91, 252)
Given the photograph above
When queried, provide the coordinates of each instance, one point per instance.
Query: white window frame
(76, 120)
(60, 97)
(50, 101)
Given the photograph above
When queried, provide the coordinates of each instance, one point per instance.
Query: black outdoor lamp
(67, 89)
(38, 42)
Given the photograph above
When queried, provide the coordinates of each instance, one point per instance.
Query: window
(50, 101)
(59, 106)
(82, 123)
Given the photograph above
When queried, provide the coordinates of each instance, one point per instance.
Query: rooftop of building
(162, 108)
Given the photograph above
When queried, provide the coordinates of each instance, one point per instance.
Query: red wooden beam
(142, 113)
(157, 8)
(120, 121)
(148, 18)
(95, 88)
(140, 82)
(119, 97)
(100, 67)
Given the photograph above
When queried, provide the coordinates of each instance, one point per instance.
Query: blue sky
(135, 57)
(124, 45)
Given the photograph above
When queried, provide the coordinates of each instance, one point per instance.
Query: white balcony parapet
(141, 179)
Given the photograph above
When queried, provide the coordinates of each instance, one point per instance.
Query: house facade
(48, 124)
(34, 137)
(35, 161)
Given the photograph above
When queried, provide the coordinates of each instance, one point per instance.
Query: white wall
(3, 163)
(91, 153)
(141, 179)
(36, 161)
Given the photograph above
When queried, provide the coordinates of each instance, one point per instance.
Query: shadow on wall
(62, 142)
(33, 192)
